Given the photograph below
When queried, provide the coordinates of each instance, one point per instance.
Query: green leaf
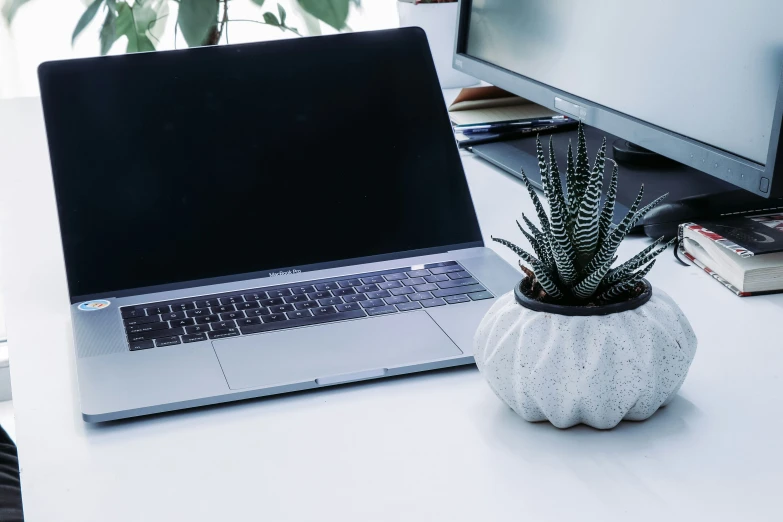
(259, 3)
(126, 25)
(85, 19)
(108, 32)
(196, 18)
(333, 12)
(10, 7)
(150, 17)
(271, 19)
(282, 14)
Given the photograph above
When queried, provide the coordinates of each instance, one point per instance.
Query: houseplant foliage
(200, 22)
(580, 340)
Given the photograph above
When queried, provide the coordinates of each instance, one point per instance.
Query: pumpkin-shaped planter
(595, 365)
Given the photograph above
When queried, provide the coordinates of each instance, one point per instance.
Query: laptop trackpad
(330, 350)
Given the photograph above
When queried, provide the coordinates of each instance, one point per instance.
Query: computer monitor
(698, 82)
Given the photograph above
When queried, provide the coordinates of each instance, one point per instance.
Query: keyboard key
(429, 303)
(348, 307)
(296, 298)
(372, 303)
(167, 341)
(330, 301)
(454, 299)
(413, 281)
(349, 283)
(131, 312)
(148, 327)
(223, 308)
(436, 278)
(273, 318)
(222, 325)
(281, 292)
(478, 296)
(232, 315)
(206, 303)
(257, 312)
(299, 314)
(207, 319)
(420, 296)
(181, 322)
(198, 329)
(231, 299)
(271, 302)
(389, 284)
(405, 290)
(380, 310)
(171, 316)
(181, 307)
(459, 275)
(194, 338)
(306, 321)
(278, 309)
(372, 279)
(458, 282)
(405, 307)
(141, 345)
(395, 277)
(248, 321)
(198, 312)
(354, 298)
(143, 336)
(363, 289)
(396, 300)
(255, 296)
(247, 306)
(445, 269)
(142, 319)
(459, 290)
(314, 296)
(219, 334)
(158, 310)
(426, 287)
(344, 291)
(324, 310)
(305, 305)
(418, 273)
(380, 294)
(322, 287)
(301, 290)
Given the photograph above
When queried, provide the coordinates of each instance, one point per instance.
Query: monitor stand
(692, 193)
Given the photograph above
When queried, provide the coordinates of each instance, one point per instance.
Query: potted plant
(578, 340)
(438, 18)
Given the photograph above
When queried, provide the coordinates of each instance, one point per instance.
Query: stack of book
(744, 253)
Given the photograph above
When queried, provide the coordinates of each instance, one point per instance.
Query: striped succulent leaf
(605, 220)
(557, 208)
(554, 178)
(642, 258)
(570, 183)
(624, 287)
(541, 239)
(645, 209)
(542, 275)
(538, 248)
(589, 284)
(582, 173)
(585, 234)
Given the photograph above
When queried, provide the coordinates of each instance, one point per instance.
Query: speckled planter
(597, 366)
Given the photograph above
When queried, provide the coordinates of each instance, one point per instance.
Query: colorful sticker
(92, 306)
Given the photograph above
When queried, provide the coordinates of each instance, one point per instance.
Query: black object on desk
(492, 137)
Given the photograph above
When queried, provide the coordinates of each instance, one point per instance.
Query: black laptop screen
(189, 165)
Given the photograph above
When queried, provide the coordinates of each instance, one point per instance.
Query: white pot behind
(439, 21)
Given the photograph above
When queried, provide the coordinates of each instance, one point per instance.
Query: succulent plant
(575, 245)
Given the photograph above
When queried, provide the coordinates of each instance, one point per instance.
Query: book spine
(716, 238)
(711, 272)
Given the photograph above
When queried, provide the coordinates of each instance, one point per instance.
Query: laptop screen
(191, 165)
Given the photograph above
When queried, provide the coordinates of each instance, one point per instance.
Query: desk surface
(436, 446)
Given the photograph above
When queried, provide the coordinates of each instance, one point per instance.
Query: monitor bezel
(741, 172)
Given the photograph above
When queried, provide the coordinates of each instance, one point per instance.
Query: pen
(508, 125)
(510, 135)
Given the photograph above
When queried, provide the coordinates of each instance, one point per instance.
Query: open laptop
(249, 220)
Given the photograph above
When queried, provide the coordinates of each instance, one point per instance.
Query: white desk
(429, 447)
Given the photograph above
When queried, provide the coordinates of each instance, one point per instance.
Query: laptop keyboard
(246, 312)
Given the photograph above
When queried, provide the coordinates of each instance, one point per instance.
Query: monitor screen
(706, 70)
(203, 163)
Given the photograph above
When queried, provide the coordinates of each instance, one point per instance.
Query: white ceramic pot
(439, 21)
(591, 369)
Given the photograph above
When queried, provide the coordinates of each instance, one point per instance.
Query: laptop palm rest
(332, 353)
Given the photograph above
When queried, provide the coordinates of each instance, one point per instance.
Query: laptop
(249, 220)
